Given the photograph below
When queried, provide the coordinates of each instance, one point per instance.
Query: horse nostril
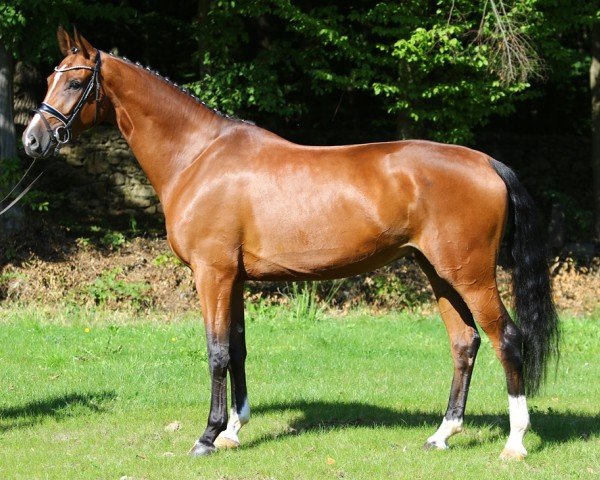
(33, 142)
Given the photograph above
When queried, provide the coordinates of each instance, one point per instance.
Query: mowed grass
(87, 395)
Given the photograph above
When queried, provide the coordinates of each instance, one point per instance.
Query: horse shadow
(57, 407)
(553, 427)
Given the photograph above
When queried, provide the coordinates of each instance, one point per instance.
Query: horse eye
(75, 84)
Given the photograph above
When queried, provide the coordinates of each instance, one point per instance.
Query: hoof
(508, 454)
(224, 442)
(201, 450)
(434, 446)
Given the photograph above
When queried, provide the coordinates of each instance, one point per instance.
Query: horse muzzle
(40, 142)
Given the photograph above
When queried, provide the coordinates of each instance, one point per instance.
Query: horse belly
(329, 245)
(318, 265)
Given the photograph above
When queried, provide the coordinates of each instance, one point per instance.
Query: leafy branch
(513, 57)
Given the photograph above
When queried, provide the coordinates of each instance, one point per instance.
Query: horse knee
(218, 358)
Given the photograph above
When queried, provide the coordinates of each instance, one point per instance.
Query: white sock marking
(446, 430)
(519, 423)
(236, 422)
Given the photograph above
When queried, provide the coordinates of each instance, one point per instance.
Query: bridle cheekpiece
(62, 134)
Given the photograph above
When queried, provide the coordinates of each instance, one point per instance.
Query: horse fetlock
(243, 415)
(201, 450)
(448, 428)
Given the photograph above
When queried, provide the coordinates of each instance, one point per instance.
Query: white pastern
(229, 437)
(244, 415)
(446, 430)
(519, 423)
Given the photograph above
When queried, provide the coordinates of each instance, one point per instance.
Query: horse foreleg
(240, 408)
(215, 289)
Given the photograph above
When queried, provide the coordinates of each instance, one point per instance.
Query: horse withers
(243, 204)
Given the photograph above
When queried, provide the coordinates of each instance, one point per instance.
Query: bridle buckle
(62, 134)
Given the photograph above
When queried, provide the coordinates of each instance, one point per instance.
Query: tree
(8, 144)
(567, 33)
(419, 62)
(595, 104)
(418, 68)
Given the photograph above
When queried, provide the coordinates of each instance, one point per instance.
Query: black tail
(532, 292)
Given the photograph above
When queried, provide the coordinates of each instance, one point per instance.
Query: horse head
(74, 101)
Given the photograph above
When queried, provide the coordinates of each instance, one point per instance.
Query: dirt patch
(52, 265)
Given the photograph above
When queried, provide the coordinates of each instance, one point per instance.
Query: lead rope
(23, 193)
(18, 183)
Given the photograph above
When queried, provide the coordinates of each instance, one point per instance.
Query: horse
(242, 203)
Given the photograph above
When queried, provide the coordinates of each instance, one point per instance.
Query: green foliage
(578, 219)
(7, 277)
(28, 27)
(393, 290)
(113, 240)
(167, 259)
(108, 288)
(434, 66)
(11, 171)
(306, 301)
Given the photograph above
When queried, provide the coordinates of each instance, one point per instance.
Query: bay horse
(242, 203)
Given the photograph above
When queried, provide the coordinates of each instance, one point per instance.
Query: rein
(62, 134)
(23, 193)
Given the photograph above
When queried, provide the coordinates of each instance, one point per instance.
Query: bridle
(62, 134)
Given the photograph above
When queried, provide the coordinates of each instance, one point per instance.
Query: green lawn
(87, 395)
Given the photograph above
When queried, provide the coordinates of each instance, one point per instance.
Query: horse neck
(165, 128)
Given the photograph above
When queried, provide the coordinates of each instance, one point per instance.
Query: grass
(87, 395)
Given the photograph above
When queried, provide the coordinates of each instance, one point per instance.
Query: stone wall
(101, 176)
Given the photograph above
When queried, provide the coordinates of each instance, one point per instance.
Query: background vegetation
(330, 72)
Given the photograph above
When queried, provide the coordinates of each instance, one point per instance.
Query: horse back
(279, 210)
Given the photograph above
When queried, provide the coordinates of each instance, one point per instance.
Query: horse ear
(83, 45)
(65, 42)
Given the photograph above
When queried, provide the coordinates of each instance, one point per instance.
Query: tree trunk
(26, 79)
(404, 126)
(595, 90)
(8, 145)
(203, 9)
(13, 219)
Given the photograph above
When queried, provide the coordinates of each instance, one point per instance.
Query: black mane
(181, 89)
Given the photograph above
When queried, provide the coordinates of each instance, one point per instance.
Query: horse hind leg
(506, 339)
(474, 280)
(464, 342)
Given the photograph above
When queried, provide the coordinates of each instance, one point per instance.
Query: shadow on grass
(57, 407)
(552, 426)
